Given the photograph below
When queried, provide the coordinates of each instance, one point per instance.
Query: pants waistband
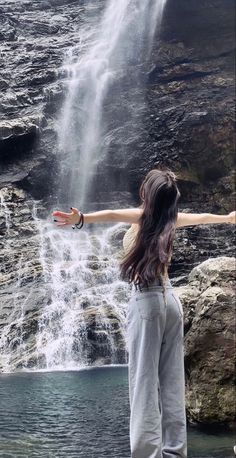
(157, 284)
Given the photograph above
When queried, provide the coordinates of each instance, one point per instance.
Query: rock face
(189, 80)
(209, 306)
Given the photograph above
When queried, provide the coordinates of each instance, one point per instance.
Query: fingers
(232, 216)
(61, 221)
(74, 210)
(63, 218)
(64, 214)
(61, 214)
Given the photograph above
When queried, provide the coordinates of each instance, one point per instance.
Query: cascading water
(123, 37)
(83, 320)
(86, 296)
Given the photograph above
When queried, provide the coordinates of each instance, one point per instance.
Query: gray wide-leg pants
(154, 329)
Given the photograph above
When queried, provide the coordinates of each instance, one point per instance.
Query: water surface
(82, 414)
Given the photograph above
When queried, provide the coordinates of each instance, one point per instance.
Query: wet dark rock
(15, 137)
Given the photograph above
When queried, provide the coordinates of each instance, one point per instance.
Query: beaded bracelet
(80, 224)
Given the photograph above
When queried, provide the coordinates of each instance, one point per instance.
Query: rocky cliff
(186, 105)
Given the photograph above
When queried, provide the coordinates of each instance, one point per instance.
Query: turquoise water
(78, 414)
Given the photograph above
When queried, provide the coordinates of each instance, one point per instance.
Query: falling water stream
(81, 267)
(122, 38)
(81, 270)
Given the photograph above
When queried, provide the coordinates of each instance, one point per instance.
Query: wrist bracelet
(80, 224)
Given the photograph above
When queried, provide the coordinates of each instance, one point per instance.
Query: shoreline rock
(209, 306)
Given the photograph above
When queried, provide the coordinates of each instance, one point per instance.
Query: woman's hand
(65, 219)
(232, 217)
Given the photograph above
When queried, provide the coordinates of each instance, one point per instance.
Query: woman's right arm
(124, 215)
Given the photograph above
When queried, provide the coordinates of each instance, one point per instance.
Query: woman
(155, 314)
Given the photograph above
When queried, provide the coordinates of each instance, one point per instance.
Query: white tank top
(130, 237)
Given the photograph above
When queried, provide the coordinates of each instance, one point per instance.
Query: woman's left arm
(193, 219)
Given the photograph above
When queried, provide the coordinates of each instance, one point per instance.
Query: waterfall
(122, 38)
(83, 320)
(81, 271)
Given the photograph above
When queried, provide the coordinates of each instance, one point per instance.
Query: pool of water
(82, 414)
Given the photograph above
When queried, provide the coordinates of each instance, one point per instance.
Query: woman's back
(130, 238)
(149, 249)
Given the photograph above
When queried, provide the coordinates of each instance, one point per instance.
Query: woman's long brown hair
(150, 255)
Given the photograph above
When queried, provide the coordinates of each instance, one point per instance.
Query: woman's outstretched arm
(193, 219)
(132, 215)
(124, 215)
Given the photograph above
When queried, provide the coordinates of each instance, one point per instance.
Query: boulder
(209, 305)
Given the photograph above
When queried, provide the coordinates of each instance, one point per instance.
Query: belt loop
(164, 293)
(164, 290)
